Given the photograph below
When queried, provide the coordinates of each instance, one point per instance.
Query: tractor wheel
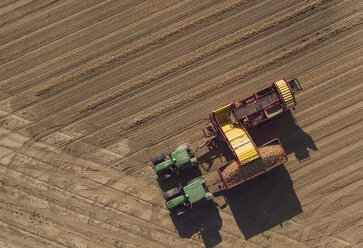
(164, 175)
(194, 161)
(202, 178)
(185, 146)
(180, 211)
(171, 193)
(158, 158)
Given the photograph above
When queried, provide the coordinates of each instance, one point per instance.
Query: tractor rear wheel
(185, 146)
(158, 158)
(171, 193)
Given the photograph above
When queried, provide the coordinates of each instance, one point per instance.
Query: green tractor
(182, 199)
(181, 158)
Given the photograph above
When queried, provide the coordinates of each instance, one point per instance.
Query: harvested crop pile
(271, 155)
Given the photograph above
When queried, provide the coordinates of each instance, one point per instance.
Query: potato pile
(271, 155)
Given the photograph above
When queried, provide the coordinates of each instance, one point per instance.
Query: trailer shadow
(262, 203)
(203, 220)
(292, 137)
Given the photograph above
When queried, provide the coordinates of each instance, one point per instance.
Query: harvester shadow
(264, 202)
(203, 220)
(218, 154)
(292, 137)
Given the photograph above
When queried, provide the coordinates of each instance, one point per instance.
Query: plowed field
(90, 90)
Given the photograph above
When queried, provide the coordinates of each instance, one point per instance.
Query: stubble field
(91, 90)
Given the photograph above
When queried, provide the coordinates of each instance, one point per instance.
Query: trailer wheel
(202, 178)
(171, 193)
(158, 158)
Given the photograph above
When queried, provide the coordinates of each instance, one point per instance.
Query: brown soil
(91, 90)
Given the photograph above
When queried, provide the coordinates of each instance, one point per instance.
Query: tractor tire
(158, 158)
(194, 161)
(185, 146)
(165, 175)
(197, 178)
(171, 193)
(180, 211)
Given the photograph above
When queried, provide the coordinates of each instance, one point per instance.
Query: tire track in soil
(77, 23)
(149, 144)
(6, 3)
(29, 8)
(329, 135)
(332, 225)
(342, 72)
(86, 53)
(238, 76)
(125, 127)
(10, 223)
(94, 235)
(151, 204)
(167, 216)
(76, 37)
(64, 63)
(318, 129)
(202, 53)
(137, 48)
(38, 21)
(134, 225)
(23, 237)
(78, 174)
(227, 234)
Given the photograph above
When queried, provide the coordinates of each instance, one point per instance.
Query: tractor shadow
(203, 220)
(263, 203)
(182, 179)
(292, 137)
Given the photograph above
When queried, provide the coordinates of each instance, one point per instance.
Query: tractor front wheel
(158, 158)
(202, 178)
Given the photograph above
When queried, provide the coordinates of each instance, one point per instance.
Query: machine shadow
(262, 203)
(292, 137)
(204, 220)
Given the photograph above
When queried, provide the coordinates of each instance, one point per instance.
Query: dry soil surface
(90, 90)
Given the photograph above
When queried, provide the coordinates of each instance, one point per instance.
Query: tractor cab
(180, 200)
(179, 159)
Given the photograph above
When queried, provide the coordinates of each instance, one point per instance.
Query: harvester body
(232, 122)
